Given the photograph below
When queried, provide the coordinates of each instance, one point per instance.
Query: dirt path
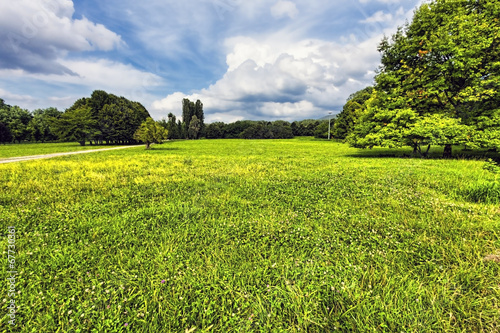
(37, 157)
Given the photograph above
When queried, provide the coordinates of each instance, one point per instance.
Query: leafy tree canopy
(439, 71)
(150, 132)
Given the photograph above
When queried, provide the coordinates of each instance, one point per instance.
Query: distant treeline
(102, 118)
(250, 129)
(17, 124)
(105, 118)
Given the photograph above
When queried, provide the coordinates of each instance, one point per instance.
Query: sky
(244, 59)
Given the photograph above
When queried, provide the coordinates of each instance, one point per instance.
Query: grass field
(27, 149)
(252, 236)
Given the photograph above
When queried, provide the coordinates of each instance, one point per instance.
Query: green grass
(27, 149)
(251, 236)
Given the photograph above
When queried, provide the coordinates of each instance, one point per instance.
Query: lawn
(27, 149)
(294, 235)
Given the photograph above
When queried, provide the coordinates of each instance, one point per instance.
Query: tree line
(17, 124)
(438, 84)
(279, 129)
(105, 118)
(102, 118)
(192, 125)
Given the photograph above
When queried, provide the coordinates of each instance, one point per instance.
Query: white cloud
(379, 16)
(281, 78)
(15, 99)
(91, 74)
(284, 8)
(34, 34)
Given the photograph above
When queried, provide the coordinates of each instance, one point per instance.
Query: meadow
(297, 235)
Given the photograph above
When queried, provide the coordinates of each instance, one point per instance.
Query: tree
(16, 120)
(321, 130)
(115, 118)
(39, 126)
(172, 127)
(443, 66)
(351, 113)
(150, 132)
(198, 112)
(194, 127)
(5, 135)
(76, 124)
(189, 110)
(215, 130)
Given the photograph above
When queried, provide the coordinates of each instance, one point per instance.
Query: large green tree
(75, 124)
(441, 70)
(115, 118)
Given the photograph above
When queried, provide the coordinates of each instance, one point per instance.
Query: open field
(252, 236)
(27, 149)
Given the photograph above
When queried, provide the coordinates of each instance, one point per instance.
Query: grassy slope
(271, 236)
(27, 149)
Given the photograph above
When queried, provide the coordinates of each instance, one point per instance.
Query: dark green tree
(5, 135)
(76, 124)
(39, 126)
(116, 118)
(189, 110)
(173, 127)
(215, 130)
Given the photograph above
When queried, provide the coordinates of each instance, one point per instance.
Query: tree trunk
(447, 151)
(427, 151)
(82, 143)
(415, 148)
(148, 144)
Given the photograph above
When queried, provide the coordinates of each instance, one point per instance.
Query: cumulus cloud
(284, 8)
(35, 34)
(284, 79)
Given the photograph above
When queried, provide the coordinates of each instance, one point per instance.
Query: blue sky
(261, 59)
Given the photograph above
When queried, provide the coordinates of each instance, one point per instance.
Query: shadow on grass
(155, 148)
(434, 153)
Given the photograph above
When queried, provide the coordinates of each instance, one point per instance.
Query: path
(37, 157)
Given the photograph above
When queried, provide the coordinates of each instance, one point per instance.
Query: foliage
(321, 130)
(190, 110)
(215, 130)
(150, 132)
(194, 127)
(251, 236)
(446, 63)
(305, 127)
(351, 113)
(76, 124)
(174, 129)
(16, 120)
(115, 119)
(5, 135)
(39, 126)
